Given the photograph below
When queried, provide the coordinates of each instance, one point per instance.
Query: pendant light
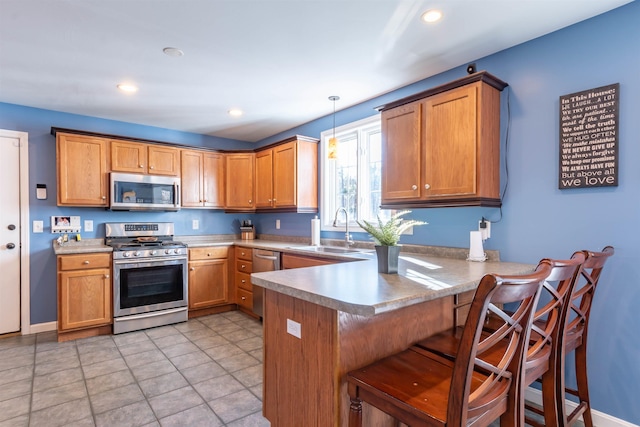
(332, 148)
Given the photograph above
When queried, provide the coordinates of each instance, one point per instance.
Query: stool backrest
(582, 297)
(468, 394)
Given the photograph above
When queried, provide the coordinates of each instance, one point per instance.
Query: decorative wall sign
(589, 138)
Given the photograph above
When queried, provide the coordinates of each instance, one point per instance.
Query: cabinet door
(285, 175)
(239, 168)
(213, 180)
(82, 170)
(208, 284)
(128, 157)
(450, 143)
(84, 298)
(163, 160)
(264, 179)
(191, 178)
(401, 153)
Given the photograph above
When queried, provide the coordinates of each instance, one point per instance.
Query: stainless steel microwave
(132, 192)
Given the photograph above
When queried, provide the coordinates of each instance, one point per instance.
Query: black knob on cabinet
(11, 245)
(11, 227)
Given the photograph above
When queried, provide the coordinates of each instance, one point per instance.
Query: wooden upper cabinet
(401, 151)
(444, 149)
(82, 170)
(202, 179)
(264, 179)
(239, 173)
(287, 176)
(137, 157)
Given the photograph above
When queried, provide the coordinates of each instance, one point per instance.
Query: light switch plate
(88, 225)
(38, 226)
(195, 224)
(294, 328)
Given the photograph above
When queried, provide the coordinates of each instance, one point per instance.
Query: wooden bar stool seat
(421, 388)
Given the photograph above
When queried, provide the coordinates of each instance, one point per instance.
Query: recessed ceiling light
(432, 15)
(235, 112)
(128, 88)
(173, 51)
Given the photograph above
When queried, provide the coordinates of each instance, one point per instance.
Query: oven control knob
(167, 251)
(137, 253)
(126, 254)
(153, 252)
(177, 251)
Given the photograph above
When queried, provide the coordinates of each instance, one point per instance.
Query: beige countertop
(358, 288)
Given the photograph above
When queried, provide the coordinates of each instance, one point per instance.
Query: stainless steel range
(150, 280)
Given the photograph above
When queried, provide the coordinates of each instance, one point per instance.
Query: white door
(9, 234)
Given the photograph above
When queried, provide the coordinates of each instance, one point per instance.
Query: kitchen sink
(328, 249)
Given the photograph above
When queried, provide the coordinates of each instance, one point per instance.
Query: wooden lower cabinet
(84, 295)
(300, 261)
(209, 284)
(243, 286)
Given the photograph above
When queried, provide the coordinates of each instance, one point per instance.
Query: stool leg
(355, 412)
(549, 397)
(582, 383)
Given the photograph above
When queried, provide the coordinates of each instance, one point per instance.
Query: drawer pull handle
(427, 186)
(414, 187)
(106, 276)
(192, 269)
(244, 298)
(85, 262)
(243, 266)
(243, 281)
(209, 254)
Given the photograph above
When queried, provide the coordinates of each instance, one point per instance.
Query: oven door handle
(148, 260)
(151, 314)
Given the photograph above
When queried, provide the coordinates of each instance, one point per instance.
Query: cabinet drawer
(244, 253)
(84, 261)
(245, 299)
(243, 281)
(296, 261)
(208, 253)
(244, 266)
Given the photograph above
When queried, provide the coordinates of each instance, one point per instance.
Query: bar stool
(575, 339)
(541, 354)
(421, 388)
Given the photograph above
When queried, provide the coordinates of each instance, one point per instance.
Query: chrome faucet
(348, 241)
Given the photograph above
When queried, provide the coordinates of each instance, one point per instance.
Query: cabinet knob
(414, 187)
(243, 266)
(106, 276)
(250, 201)
(243, 281)
(243, 253)
(269, 200)
(427, 186)
(85, 262)
(150, 167)
(243, 298)
(104, 197)
(208, 254)
(140, 166)
(192, 269)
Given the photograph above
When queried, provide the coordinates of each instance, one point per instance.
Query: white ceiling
(277, 60)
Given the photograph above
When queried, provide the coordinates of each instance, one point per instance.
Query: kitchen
(537, 72)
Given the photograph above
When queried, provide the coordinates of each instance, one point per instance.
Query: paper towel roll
(315, 231)
(476, 252)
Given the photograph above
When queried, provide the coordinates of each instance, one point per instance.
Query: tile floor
(205, 372)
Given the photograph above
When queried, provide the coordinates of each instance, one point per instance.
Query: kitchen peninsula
(322, 322)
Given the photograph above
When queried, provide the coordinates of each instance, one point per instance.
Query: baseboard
(43, 327)
(600, 419)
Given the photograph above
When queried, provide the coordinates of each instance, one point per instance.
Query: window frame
(327, 211)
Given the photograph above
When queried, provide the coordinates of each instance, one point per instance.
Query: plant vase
(388, 259)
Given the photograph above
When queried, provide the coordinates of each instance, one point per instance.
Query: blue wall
(538, 219)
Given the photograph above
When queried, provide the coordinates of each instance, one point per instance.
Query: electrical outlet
(88, 225)
(294, 328)
(195, 224)
(484, 226)
(277, 224)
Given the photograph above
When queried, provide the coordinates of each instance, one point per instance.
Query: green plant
(388, 234)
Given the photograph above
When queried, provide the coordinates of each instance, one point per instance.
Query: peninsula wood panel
(304, 379)
(300, 375)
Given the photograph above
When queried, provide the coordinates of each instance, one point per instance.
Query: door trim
(25, 280)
